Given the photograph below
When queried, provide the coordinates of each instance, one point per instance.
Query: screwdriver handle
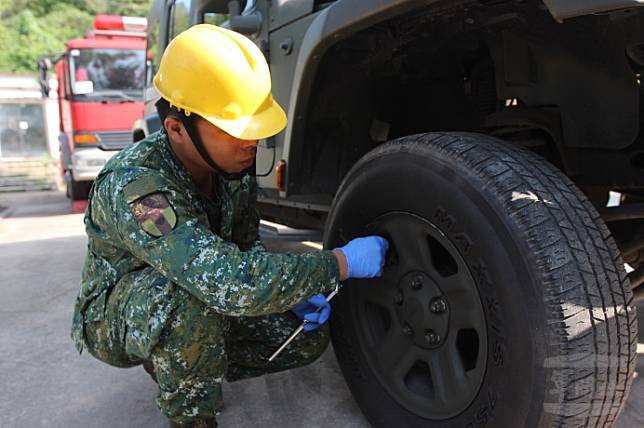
(300, 328)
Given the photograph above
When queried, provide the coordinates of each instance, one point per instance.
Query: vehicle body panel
(282, 12)
(107, 42)
(108, 116)
(282, 63)
(564, 9)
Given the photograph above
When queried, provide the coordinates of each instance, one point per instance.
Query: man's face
(230, 153)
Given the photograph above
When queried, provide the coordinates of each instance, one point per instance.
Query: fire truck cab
(100, 92)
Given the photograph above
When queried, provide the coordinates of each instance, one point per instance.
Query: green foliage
(30, 29)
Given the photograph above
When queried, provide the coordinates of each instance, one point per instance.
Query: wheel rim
(422, 325)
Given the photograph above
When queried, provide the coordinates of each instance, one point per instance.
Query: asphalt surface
(45, 383)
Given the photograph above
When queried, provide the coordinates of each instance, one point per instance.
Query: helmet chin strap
(163, 107)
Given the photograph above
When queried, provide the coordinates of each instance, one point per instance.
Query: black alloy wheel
(426, 333)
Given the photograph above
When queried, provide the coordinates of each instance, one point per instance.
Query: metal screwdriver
(300, 328)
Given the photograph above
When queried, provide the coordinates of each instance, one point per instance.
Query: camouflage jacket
(208, 247)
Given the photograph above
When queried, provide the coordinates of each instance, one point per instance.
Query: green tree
(30, 29)
(29, 41)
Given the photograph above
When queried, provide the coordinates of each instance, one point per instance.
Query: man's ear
(175, 130)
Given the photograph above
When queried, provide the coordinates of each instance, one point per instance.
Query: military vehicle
(483, 139)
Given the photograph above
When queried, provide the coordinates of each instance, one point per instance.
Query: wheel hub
(422, 310)
(423, 324)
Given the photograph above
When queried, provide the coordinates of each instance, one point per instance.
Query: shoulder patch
(155, 214)
(140, 187)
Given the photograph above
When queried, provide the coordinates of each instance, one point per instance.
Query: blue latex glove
(306, 311)
(365, 256)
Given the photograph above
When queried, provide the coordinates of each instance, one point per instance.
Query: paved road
(43, 382)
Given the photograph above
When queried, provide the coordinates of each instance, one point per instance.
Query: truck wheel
(78, 190)
(504, 301)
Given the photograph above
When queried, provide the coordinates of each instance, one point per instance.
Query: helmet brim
(263, 124)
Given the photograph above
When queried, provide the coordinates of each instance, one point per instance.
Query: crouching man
(175, 276)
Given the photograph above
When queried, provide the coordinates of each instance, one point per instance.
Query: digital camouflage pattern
(174, 277)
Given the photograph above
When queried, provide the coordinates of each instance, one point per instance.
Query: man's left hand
(315, 311)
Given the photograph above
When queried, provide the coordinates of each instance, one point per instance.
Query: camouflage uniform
(181, 280)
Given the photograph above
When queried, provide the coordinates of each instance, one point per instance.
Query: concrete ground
(44, 382)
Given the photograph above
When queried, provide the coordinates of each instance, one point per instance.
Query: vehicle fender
(564, 9)
(334, 23)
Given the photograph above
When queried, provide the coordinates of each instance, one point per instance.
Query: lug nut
(438, 305)
(432, 337)
(417, 283)
(408, 330)
(398, 298)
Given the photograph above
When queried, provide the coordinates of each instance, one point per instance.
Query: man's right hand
(362, 257)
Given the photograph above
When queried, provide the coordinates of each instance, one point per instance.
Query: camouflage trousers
(196, 348)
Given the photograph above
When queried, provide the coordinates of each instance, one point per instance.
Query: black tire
(78, 190)
(536, 319)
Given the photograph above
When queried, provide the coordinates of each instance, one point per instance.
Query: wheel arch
(332, 25)
(562, 114)
(351, 25)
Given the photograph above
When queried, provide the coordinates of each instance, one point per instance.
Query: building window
(22, 131)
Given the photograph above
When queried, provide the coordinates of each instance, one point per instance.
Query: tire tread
(583, 274)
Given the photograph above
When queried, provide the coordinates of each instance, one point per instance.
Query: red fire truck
(100, 91)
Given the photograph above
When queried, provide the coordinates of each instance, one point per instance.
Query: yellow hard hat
(223, 77)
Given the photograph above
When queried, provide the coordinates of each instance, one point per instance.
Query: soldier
(175, 276)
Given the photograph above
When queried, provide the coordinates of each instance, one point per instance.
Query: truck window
(112, 72)
(179, 17)
(218, 19)
(152, 55)
(222, 19)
